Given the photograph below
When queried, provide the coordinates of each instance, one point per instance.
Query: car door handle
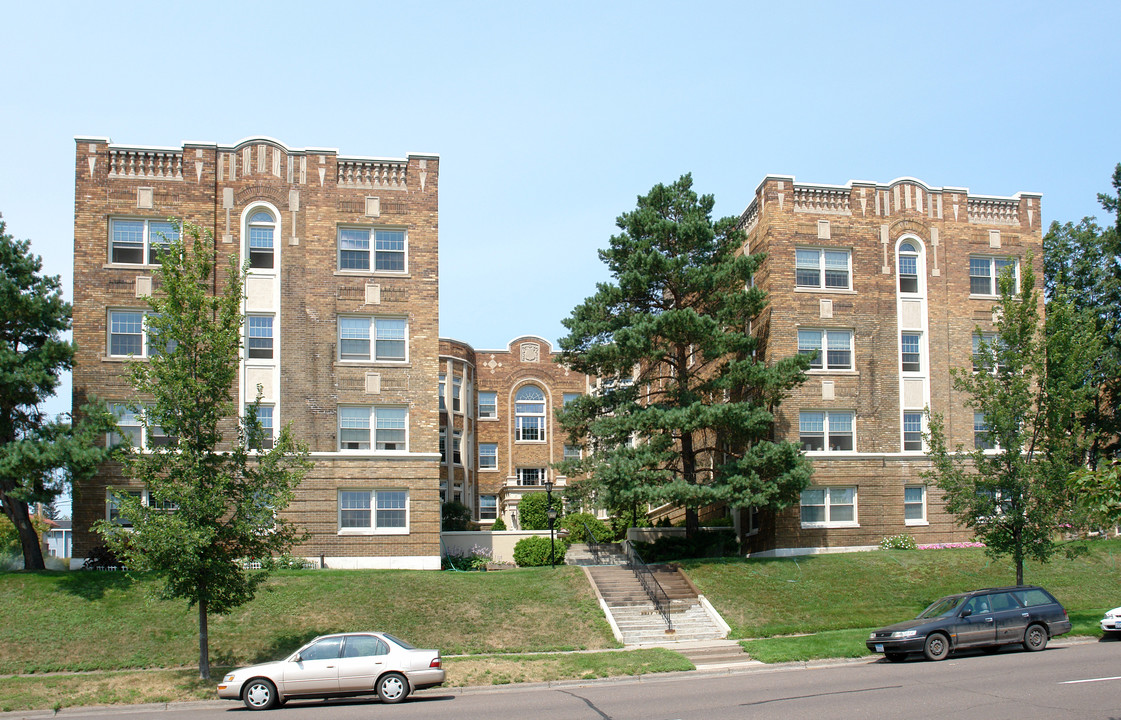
(1025, 614)
(989, 619)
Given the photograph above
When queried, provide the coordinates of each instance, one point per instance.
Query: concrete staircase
(602, 554)
(633, 616)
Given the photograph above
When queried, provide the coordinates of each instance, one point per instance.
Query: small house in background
(60, 538)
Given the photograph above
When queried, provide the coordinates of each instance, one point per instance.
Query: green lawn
(105, 621)
(767, 597)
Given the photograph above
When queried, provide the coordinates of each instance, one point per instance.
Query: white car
(337, 666)
(1111, 623)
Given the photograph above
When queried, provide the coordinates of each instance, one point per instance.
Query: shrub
(474, 559)
(575, 522)
(898, 542)
(499, 524)
(455, 516)
(533, 511)
(706, 544)
(534, 552)
(719, 522)
(102, 558)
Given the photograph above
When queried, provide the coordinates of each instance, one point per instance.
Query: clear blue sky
(550, 118)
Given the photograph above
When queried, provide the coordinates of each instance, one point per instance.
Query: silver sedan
(337, 666)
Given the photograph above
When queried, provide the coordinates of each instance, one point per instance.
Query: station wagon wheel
(1035, 638)
(260, 694)
(937, 647)
(896, 656)
(393, 688)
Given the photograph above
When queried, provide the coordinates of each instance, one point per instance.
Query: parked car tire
(392, 688)
(260, 694)
(937, 647)
(1035, 638)
(896, 656)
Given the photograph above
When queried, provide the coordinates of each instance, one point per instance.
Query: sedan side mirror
(966, 612)
(297, 658)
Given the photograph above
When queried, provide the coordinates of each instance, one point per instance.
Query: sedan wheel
(1035, 639)
(260, 694)
(393, 688)
(937, 647)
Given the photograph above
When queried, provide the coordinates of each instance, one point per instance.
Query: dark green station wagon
(985, 619)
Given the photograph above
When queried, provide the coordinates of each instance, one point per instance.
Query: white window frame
(143, 434)
(989, 339)
(268, 432)
(146, 499)
(751, 524)
(391, 413)
(488, 507)
(917, 334)
(829, 504)
(981, 425)
(520, 418)
(576, 453)
(494, 455)
(457, 393)
(921, 503)
(374, 498)
(522, 474)
(994, 273)
(371, 250)
(904, 430)
(569, 397)
(443, 446)
(145, 350)
(376, 353)
(914, 254)
(457, 447)
(483, 404)
(828, 418)
(149, 233)
(274, 226)
(822, 283)
(823, 349)
(250, 337)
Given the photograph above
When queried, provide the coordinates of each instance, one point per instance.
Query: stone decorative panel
(143, 286)
(994, 238)
(531, 352)
(373, 383)
(373, 206)
(373, 294)
(144, 198)
(823, 230)
(828, 390)
(913, 393)
(259, 292)
(910, 315)
(826, 309)
(259, 376)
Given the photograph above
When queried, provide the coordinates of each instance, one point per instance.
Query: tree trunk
(204, 642)
(692, 522)
(28, 538)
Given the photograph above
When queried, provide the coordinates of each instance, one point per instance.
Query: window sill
(974, 296)
(831, 291)
(493, 469)
(123, 358)
(530, 442)
(361, 532)
(374, 363)
(488, 419)
(829, 525)
(372, 273)
(916, 523)
(130, 266)
(816, 371)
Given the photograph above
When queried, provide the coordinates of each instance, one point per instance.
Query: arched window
(261, 232)
(529, 413)
(908, 268)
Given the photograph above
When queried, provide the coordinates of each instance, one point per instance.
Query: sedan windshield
(945, 607)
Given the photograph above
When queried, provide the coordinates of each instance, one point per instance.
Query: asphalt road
(1068, 680)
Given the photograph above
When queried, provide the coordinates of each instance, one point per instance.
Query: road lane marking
(1075, 682)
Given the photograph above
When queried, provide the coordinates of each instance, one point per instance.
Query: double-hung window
(131, 429)
(457, 443)
(829, 507)
(443, 389)
(832, 349)
(531, 476)
(457, 393)
(908, 268)
(984, 353)
(265, 418)
(444, 445)
(133, 241)
(127, 333)
(261, 230)
(984, 274)
(818, 430)
(374, 510)
(488, 507)
(912, 431)
(488, 405)
(910, 351)
(356, 245)
(372, 338)
(488, 456)
(529, 412)
(363, 427)
(259, 336)
(982, 435)
(914, 505)
(823, 268)
(572, 452)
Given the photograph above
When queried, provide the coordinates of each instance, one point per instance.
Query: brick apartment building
(501, 430)
(885, 281)
(341, 323)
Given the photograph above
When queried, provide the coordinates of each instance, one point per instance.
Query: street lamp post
(552, 518)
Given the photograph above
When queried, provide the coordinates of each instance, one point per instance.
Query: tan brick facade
(308, 291)
(522, 451)
(889, 300)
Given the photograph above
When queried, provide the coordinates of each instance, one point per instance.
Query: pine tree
(685, 413)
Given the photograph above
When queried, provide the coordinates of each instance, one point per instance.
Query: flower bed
(947, 546)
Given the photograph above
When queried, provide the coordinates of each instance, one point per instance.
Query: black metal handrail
(650, 583)
(593, 544)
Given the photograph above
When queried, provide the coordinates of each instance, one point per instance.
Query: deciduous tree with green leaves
(686, 415)
(38, 454)
(217, 492)
(1012, 488)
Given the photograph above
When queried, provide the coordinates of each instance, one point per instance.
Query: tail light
(435, 662)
